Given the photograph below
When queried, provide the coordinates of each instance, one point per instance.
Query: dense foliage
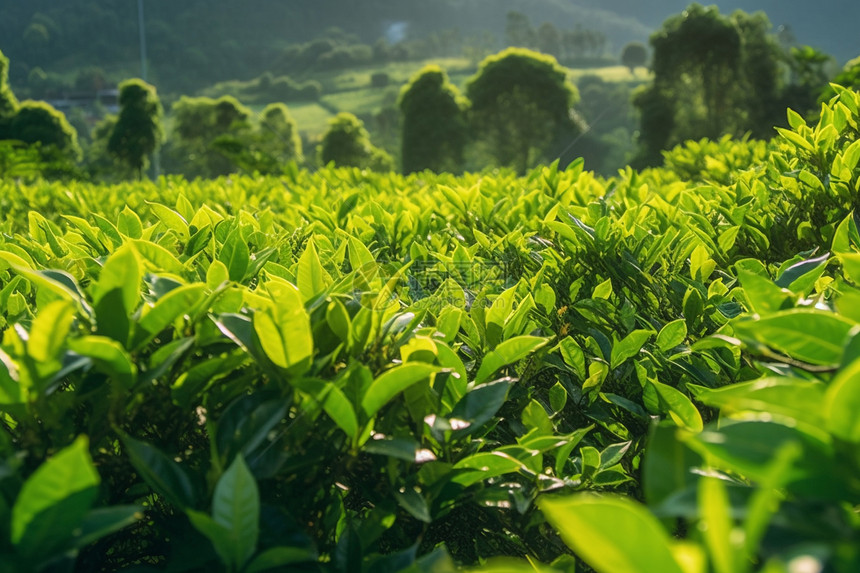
(435, 129)
(347, 144)
(349, 371)
(137, 132)
(194, 43)
(520, 105)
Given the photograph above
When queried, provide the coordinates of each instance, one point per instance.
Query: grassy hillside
(352, 90)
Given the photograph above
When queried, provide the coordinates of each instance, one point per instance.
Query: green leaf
(611, 533)
(717, 525)
(110, 357)
(217, 534)
(812, 336)
(104, 521)
(486, 465)
(49, 330)
(171, 219)
(334, 402)
(796, 140)
(850, 265)
(109, 229)
(359, 255)
(194, 381)
(480, 405)
(128, 223)
(414, 503)
(629, 346)
(694, 306)
(401, 448)
(800, 277)
(121, 271)
(312, 278)
(842, 403)
(762, 294)
(55, 499)
(573, 356)
(166, 310)
(668, 465)
(236, 508)
(159, 257)
(727, 239)
(801, 400)
(680, 408)
(12, 391)
(235, 255)
(557, 397)
(284, 331)
(590, 461)
(217, 274)
(392, 382)
(338, 320)
(162, 474)
(768, 496)
(278, 557)
(748, 447)
(535, 417)
(672, 335)
(795, 120)
(245, 424)
(603, 290)
(506, 353)
(56, 284)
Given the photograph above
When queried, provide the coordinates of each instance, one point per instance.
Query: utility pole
(156, 158)
(142, 27)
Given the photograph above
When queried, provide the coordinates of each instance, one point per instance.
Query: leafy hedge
(347, 371)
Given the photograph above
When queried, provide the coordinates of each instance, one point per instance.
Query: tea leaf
(611, 533)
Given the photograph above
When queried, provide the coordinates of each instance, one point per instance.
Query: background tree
(519, 31)
(37, 122)
(697, 57)
(713, 75)
(197, 124)
(347, 144)
(434, 128)
(759, 90)
(279, 134)
(521, 106)
(8, 102)
(100, 163)
(849, 77)
(549, 40)
(634, 55)
(137, 132)
(267, 149)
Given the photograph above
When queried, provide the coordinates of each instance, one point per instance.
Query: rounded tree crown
(699, 37)
(519, 69)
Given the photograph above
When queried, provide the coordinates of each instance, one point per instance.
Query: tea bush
(353, 371)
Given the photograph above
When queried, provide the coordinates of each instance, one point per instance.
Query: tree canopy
(37, 122)
(347, 144)
(634, 55)
(713, 75)
(434, 128)
(8, 102)
(137, 132)
(521, 106)
(198, 123)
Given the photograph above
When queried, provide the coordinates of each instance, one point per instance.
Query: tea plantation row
(346, 371)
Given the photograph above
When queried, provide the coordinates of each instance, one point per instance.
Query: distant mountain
(240, 38)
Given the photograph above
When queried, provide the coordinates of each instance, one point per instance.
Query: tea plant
(350, 371)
